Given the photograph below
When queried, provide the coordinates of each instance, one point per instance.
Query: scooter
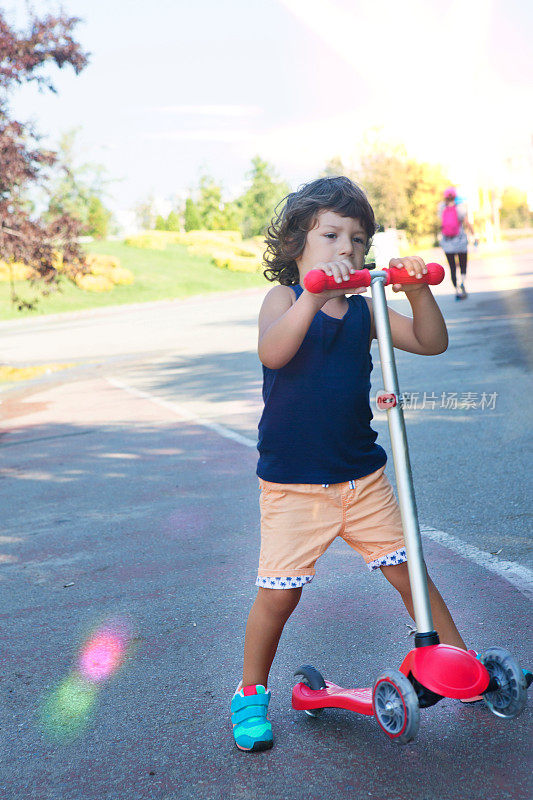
(431, 671)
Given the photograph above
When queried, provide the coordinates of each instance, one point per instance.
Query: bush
(226, 248)
(16, 270)
(107, 267)
(121, 275)
(208, 237)
(101, 264)
(152, 240)
(94, 283)
(236, 263)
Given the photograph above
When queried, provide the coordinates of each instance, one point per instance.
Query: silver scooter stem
(402, 466)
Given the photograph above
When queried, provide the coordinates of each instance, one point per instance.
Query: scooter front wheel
(509, 698)
(311, 677)
(396, 706)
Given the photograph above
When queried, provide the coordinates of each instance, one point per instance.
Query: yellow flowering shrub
(103, 272)
(94, 283)
(101, 264)
(19, 271)
(64, 267)
(106, 267)
(236, 263)
(121, 275)
(208, 237)
(227, 249)
(151, 240)
(215, 248)
(57, 261)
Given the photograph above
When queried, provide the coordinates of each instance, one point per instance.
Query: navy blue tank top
(315, 427)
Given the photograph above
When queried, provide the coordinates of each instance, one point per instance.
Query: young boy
(320, 469)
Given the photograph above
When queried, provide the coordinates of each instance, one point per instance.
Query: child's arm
(283, 324)
(425, 333)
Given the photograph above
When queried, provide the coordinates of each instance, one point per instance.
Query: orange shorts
(300, 520)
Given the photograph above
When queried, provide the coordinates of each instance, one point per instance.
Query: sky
(177, 88)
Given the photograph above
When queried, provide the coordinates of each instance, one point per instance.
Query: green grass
(159, 275)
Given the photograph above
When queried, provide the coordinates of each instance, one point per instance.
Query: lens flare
(67, 710)
(102, 656)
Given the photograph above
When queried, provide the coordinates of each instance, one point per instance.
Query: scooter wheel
(509, 699)
(311, 677)
(396, 706)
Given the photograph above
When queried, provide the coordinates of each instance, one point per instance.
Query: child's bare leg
(398, 576)
(268, 615)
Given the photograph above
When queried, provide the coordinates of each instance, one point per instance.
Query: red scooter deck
(358, 700)
(443, 669)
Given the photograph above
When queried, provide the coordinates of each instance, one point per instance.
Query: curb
(94, 312)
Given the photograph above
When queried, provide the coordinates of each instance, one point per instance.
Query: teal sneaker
(252, 730)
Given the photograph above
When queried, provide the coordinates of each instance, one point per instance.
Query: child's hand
(341, 271)
(413, 265)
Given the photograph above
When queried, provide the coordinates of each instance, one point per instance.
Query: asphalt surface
(120, 510)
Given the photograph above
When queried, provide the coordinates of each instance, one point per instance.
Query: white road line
(514, 573)
(519, 576)
(184, 413)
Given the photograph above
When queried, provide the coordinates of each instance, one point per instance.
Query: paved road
(118, 505)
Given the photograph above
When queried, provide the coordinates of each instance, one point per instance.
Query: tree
(78, 189)
(98, 218)
(334, 168)
(384, 176)
(259, 200)
(145, 214)
(208, 211)
(232, 216)
(209, 204)
(251, 212)
(425, 185)
(514, 211)
(24, 58)
(173, 222)
(193, 220)
(403, 192)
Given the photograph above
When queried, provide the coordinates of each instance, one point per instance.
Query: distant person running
(454, 226)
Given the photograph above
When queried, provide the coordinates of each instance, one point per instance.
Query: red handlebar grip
(317, 281)
(434, 275)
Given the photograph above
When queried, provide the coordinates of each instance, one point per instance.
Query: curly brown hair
(286, 235)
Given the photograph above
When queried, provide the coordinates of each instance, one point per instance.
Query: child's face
(333, 238)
